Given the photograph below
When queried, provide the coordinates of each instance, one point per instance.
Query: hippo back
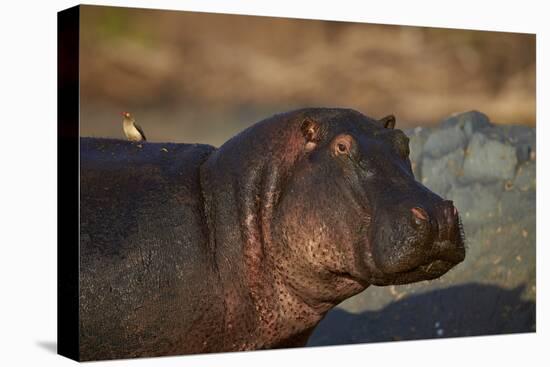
(142, 246)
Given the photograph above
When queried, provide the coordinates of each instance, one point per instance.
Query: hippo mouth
(428, 271)
(436, 267)
(442, 257)
(440, 263)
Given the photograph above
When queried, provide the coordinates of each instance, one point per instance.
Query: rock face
(489, 172)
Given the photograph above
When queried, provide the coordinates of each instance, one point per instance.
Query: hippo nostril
(448, 205)
(419, 215)
(450, 210)
(448, 220)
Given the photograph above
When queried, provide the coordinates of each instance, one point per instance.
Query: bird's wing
(140, 131)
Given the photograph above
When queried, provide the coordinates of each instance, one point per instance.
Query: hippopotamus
(187, 248)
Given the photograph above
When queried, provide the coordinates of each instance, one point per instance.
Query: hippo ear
(310, 131)
(388, 122)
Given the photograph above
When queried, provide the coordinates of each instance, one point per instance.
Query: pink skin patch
(420, 213)
(310, 146)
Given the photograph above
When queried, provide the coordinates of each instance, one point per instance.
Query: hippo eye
(342, 144)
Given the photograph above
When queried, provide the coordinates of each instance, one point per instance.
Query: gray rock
(477, 203)
(417, 138)
(517, 205)
(469, 122)
(523, 153)
(523, 138)
(489, 158)
(519, 134)
(443, 141)
(440, 174)
(526, 176)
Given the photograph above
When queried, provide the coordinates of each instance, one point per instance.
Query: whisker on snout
(462, 235)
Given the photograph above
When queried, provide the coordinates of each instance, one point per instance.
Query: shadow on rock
(465, 310)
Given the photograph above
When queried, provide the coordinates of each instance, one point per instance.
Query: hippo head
(352, 206)
(331, 197)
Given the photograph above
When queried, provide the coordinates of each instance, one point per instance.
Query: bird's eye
(342, 148)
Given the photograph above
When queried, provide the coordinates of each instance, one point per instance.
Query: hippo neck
(241, 184)
(261, 311)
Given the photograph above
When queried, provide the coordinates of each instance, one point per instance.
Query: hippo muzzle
(416, 240)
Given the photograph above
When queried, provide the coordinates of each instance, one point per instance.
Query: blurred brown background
(198, 77)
